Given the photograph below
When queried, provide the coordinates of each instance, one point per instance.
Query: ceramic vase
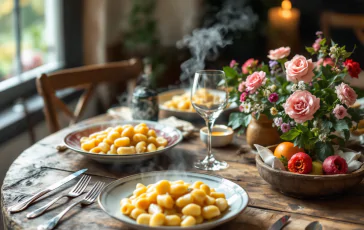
(261, 132)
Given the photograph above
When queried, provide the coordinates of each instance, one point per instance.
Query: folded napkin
(351, 158)
(269, 158)
(184, 126)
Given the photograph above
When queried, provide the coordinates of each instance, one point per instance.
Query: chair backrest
(86, 77)
(339, 20)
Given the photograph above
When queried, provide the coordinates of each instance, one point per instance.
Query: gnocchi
(174, 203)
(183, 102)
(125, 139)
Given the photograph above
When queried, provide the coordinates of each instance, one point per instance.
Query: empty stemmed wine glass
(209, 97)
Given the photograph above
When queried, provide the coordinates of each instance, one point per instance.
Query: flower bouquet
(309, 102)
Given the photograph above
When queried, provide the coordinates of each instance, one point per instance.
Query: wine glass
(209, 97)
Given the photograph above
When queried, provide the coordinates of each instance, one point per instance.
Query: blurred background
(43, 36)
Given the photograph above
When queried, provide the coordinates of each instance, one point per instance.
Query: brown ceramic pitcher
(261, 132)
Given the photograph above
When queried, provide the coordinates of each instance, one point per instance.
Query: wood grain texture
(309, 186)
(41, 165)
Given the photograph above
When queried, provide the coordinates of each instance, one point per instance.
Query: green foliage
(237, 120)
(323, 150)
(326, 72)
(284, 160)
(231, 75)
(291, 134)
(142, 32)
(341, 125)
(310, 50)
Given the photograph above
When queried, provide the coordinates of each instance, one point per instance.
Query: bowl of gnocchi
(177, 103)
(173, 200)
(123, 141)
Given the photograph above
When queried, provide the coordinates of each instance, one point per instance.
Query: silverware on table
(75, 192)
(279, 224)
(314, 226)
(24, 204)
(87, 200)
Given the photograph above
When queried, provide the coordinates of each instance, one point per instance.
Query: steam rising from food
(205, 43)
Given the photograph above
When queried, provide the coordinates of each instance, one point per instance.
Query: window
(47, 36)
(38, 43)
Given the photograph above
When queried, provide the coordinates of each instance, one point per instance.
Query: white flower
(273, 88)
(294, 87)
(333, 56)
(322, 137)
(315, 123)
(246, 107)
(261, 108)
(333, 49)
(335, 69)
(301, 85)
(292, 123)
(273, 111)
(278, 121)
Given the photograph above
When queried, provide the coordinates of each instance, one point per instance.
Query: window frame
(70, 24)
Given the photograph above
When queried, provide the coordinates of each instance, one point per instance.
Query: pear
(316, 168)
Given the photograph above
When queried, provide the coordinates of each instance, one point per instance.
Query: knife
(314, 226)
(279, 224)
(24, 204)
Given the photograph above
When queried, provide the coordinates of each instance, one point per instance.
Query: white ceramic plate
(109, 199)
(72, 141)
(185, 115)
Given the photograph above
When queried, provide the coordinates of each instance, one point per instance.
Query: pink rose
(241, 87)
(243, 96)
(250, 63)
(346, 94)
(254, 81)
(299, 69)
(316, 46)
(340, 112)
(325, 62)
(279, 53)
(232, 63)
(301, 106)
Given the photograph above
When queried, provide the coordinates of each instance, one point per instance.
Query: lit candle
(284, 17)
(283, 25)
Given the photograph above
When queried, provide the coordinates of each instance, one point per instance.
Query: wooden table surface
(41, 165)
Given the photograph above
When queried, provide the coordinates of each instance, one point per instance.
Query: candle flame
(286, 5)
(286, 9)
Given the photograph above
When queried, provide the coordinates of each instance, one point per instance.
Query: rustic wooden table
(41, 165)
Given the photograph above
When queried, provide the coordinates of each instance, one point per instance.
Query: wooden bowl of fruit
(317, 180)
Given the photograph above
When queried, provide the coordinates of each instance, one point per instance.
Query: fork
(75, 192)
(87, 200)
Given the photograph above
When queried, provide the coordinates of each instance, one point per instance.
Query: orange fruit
(286, 149)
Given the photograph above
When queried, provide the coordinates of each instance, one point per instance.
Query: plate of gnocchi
(173, 200)
(177, 103)
(123, 141)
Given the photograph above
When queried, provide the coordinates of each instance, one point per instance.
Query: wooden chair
(86, 77)
(339, 20)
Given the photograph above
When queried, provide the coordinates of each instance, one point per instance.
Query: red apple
(335, 165)
(300, 163)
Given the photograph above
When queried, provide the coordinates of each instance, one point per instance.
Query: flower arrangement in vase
(309, 102)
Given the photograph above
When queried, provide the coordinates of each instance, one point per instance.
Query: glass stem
(209, 125)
